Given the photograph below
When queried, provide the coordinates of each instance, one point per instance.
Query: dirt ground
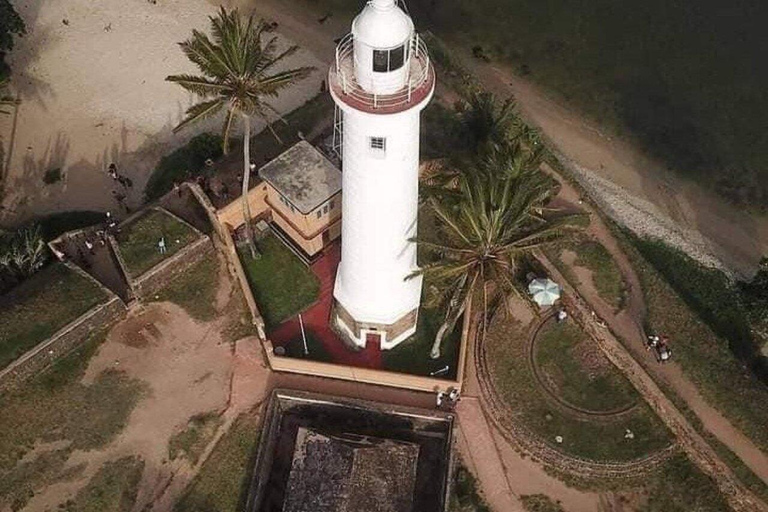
(189, 370)
(91, 77)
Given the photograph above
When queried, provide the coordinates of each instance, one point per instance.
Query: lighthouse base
(358, 333)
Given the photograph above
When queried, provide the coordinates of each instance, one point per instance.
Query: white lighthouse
(381, 81)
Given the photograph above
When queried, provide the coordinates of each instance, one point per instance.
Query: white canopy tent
(545, 292)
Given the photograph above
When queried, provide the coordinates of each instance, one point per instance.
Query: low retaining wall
(351, 373)
(159, 276)
(372, 376)
(64, 341)
(233, 213)
(227, 246)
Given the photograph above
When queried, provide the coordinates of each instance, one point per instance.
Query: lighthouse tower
(381, 80)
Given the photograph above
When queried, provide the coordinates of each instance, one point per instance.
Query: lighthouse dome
(382, 33)
(382, 24)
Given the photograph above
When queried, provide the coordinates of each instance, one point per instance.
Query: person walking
(161, 246)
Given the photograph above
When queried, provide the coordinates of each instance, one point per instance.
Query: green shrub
(184, 163)
(51, 176)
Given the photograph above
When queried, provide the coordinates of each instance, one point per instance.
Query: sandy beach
(91, 79)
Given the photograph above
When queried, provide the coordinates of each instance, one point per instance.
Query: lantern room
(382, 35)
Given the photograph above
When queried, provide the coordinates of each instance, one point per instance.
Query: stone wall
(162, 274)
(64, 341)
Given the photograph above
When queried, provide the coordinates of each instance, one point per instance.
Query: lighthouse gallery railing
(418, 72)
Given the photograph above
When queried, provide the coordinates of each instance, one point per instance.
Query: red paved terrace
(317, 317)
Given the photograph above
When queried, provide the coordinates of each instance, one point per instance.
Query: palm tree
(238, 75)
(490, 205)
(6, 100)
(495, 215)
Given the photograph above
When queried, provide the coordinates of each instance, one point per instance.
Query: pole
(303, 336)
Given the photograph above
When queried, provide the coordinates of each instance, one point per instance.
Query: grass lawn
(40, 306)
(412, 355)
(112, 489)
(601, 440)
(704, 356)
(465, 495)
(222, 483)
(195, 289)
(592, 256)
(680, 486)
(575, 368)
(138, 240)
(540, 503)
(282, 285)
(192, 441)
(55, 406)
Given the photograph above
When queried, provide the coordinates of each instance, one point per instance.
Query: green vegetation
(11, 25)
(581, 375)
(592, 256)
(182, 164)
(745, 475)
(193, 440)
(486, 208)
(704, 356)
(18, 485)
(37, 308)
(238, 74)
(22, 253)
(138, 240)
(239, 322)
(412, 355)
(708, 292)
(56, 406)
(112, 489)
(540, 503)
(282, 285)
(195, 289)
(222, 483)
(465, 495)
(52, 176)
(680, 486)
(602, 439)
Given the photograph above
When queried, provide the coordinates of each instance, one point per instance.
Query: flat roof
(304, 176)
(320, 453)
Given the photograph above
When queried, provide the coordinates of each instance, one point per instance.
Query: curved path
(303, 27)
(627, 324)
(552, 394)
(520, 436)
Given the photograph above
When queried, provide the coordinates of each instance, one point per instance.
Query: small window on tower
(380, 60)
(379, 143)
(396, 58)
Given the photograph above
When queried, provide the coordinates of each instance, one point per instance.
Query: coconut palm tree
(239, 75)
(6, 100)
(496, 215)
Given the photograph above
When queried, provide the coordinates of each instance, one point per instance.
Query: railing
(418, 73)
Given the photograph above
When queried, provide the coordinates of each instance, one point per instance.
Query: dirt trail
(627, 324)
(633, 189)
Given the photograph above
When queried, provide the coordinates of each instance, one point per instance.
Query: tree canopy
(11, 25)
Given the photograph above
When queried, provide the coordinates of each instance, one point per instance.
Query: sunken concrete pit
(320, 453)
